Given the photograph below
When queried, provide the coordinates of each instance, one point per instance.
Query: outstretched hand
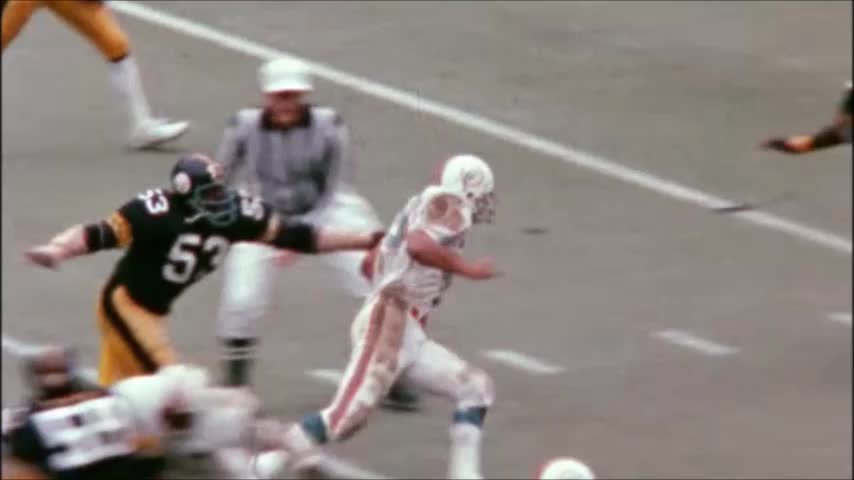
(47, 256)
(791, 145)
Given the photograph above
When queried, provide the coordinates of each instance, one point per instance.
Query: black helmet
(200, 181)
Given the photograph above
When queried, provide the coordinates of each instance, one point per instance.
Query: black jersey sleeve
(258, 222)
(139, 216)
(297, 236)
(253, 219)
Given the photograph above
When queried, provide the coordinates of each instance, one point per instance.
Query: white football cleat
(269, 464)
(564, 468)
(157, 131)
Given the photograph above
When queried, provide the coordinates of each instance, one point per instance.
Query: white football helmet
(565, 468)
(472, 177)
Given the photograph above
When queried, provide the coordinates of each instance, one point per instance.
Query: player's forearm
(69, 243)
(329, 240)
(75, 241)
(427, 251)
(829, 136)
(304, 238)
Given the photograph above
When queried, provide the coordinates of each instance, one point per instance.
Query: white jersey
(220, 415)
(445, 216)
(80, 434)
(92, 425)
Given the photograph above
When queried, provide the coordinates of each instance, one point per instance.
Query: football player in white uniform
(413, 267)
(72, 429)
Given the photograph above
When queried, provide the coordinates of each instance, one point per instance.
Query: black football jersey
(170, 247)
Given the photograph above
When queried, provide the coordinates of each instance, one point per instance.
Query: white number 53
(183, 257)
(251, 206)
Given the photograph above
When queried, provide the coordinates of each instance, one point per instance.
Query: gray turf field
(683, 91)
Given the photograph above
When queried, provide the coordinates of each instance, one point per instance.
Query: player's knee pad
(475, 389)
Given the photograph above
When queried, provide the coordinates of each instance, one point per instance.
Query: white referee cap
(284, 74)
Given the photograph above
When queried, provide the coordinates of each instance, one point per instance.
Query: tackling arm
(829, 136)
(838, 132)
(80, 240)
(304, 238)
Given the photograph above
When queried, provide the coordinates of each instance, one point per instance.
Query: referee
(296, 157)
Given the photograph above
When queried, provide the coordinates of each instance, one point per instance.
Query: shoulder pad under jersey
(443, 212)
(153, 202)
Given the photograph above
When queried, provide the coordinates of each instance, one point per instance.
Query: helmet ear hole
(182, 183)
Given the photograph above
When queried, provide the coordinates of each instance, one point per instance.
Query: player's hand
(481, 269)
(793, 145)
(48, 256)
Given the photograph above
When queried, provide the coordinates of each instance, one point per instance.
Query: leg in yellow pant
(133, 340)
(16, 13)
(91, 19)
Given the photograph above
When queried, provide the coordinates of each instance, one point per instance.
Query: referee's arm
(341, 172)
(232, 149)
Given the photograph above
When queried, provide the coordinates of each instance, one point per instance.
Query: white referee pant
(250, 269)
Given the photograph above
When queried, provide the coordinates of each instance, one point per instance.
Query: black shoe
(401, 398)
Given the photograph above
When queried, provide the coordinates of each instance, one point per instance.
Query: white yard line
(17, 348)
(522, 362)
(326, 375)
(699, 344)
(565, 153)
(839, 317)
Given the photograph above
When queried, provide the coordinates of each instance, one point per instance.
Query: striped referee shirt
(297, 169)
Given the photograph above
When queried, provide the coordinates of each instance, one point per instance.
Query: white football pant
(388, 341)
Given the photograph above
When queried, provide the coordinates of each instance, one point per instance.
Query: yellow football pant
(133, 340)
(90, 18)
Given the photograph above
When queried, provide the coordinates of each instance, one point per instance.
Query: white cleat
(157, 131)
(270, 464)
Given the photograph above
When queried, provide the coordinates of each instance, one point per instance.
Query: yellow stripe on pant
(133, 340)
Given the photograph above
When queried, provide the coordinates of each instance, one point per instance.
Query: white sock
(465, 451)
(301, 449)
(124, 75)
